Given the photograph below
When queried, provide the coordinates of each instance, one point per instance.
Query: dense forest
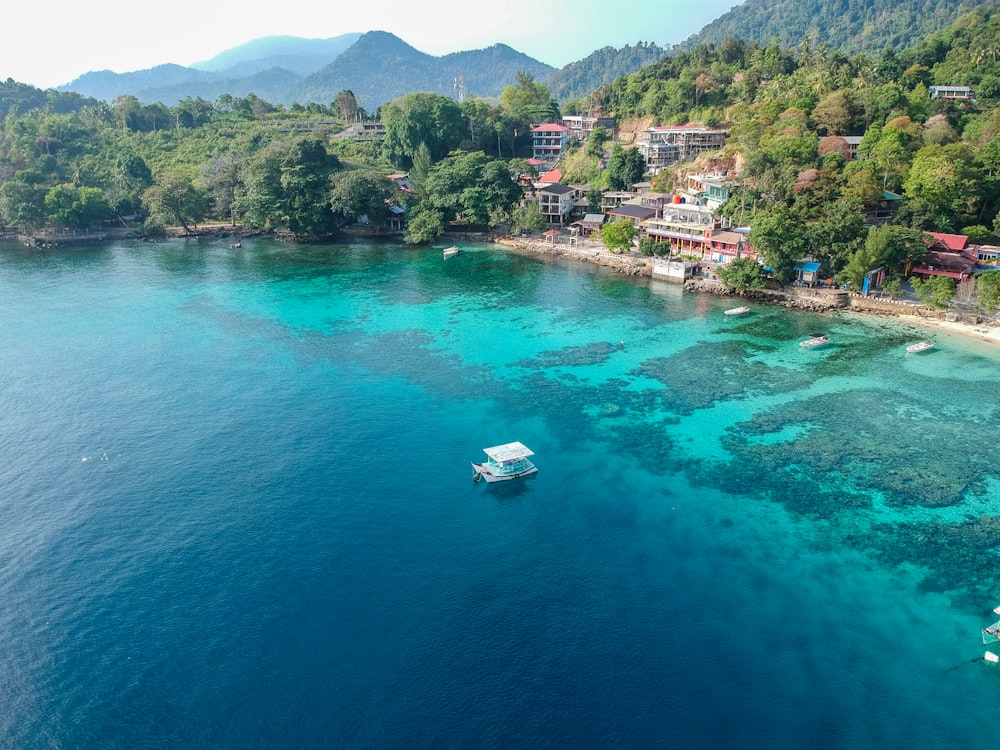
(70, 162)
(850, 26)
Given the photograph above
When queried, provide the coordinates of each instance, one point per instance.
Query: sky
(52, 46)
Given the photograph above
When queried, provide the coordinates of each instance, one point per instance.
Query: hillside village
(771, 165)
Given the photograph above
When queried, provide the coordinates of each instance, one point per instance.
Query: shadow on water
(506, 492)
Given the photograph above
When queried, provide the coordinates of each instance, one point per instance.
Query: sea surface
(236, 509)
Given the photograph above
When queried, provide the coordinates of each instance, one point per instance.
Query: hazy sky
(50, 45)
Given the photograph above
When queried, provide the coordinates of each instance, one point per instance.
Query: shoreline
(978, 331)
(868, 307)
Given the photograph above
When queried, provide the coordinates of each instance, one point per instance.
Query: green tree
(358, 193)
(780, 239)
(431, 119)
(650, 246)
(287, 184)
(346, 105)
(946, 178)
(617, 235)
(223, 178)
(528, 218)
(76, 208)
(625, 167)
(471, 186)
(936, 291)
(888, 246)
(421, 168)
(424, 224)
(833, 114)
(528, 100)
(988, 289)
(595, 142)
(175, 200)
(21, 205)
(837, 234)
(741, 274)
(893, 286)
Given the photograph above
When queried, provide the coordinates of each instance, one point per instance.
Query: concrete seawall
(587, 252)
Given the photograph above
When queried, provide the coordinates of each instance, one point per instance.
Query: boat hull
(738, 311)
(815, 343)
(917, 348)
(482, 471)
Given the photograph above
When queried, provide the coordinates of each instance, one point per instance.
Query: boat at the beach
(816, 340)
(921, 346)
(738, 310)
(449, 251)
(504, 462)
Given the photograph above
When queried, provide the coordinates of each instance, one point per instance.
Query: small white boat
(991, 634)
(504, 462)
(817, 340)
(450, 251)
(921, 346)
(738, 310)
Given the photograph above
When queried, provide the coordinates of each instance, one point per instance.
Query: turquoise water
(238, 510)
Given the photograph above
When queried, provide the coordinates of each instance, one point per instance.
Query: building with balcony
(556, 202)
(549, 141)
(961, 93)
(707, 190)
(666, 145)
(580, 126)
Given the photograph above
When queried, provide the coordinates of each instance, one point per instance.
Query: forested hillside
(68, 162)
(848, 26)
(578, 79)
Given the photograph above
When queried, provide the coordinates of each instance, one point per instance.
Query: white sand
(980, 331)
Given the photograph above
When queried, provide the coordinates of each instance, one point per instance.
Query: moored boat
(991, 634)
(921, 346)
(504, 462)
(816, 340)
(738, 310)
(450, 251)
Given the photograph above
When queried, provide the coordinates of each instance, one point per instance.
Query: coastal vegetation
(74, 163)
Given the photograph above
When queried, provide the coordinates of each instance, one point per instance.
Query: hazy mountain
(847, 25)
(107, 85)
(302, 56)
(380, 67)
(271, 85)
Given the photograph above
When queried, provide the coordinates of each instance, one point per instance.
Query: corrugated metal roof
(508, 452)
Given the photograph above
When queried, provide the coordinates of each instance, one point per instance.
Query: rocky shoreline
(818, 299)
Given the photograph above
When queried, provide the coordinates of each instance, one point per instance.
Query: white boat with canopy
(815, 341)
(504, 462)
(991, 634)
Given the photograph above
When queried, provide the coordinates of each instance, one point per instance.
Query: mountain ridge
(369, 66)
(847, 26)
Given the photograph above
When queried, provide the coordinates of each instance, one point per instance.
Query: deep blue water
(237, 509)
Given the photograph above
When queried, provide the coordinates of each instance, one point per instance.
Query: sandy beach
(979, 331)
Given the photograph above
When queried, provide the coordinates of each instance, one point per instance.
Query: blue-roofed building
(806, 272)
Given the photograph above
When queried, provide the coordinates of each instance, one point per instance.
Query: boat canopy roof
(508, 452)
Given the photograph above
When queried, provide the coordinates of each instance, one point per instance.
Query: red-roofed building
(955, 243)
(947, 255)
(550, 178)
(549, 140)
